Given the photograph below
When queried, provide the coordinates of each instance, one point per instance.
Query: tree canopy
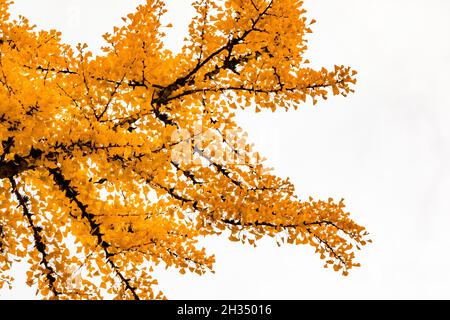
(110, 164)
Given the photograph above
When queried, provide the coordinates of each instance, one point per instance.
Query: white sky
(385, 149)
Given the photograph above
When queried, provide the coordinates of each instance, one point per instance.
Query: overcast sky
(385, 149)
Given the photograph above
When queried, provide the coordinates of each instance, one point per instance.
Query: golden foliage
(92, 185)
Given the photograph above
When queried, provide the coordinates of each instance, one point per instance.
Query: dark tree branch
(72, 195)
(167, 91)
(11, 169)
(327, 246)
(253, 90)
(220, 168)
(188, 174)
(38, 240)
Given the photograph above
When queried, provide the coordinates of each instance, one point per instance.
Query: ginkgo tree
(111, 164)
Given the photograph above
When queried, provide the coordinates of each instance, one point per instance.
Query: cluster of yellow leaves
(93, 190)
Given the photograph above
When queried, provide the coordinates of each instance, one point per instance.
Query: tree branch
(10, 169)
(38, 240)
(72, 195)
